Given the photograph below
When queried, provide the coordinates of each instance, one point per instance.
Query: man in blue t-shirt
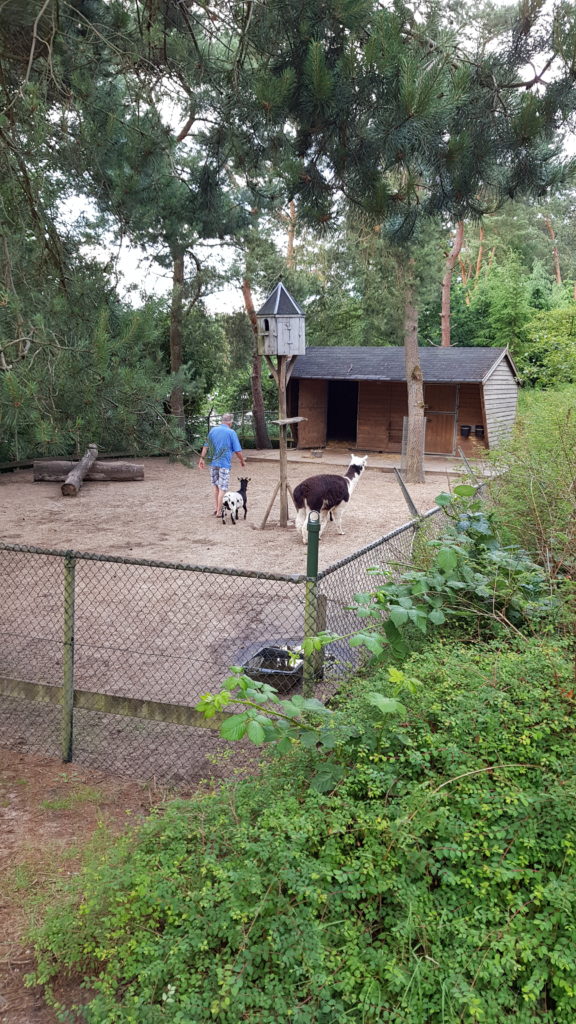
(223, 443)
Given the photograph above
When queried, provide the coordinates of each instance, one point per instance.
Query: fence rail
(103, 658)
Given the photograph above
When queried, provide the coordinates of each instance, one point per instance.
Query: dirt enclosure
(167, 516)
(168, 634)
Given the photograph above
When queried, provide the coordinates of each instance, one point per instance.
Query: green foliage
(285, 723)
(232, 392)
(509, 275)
(533, 493)
(304, 722)
(107, 388)
(434, 883)
(548, 358)
(468, 584)
(499, 307)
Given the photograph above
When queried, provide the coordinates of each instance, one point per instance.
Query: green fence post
(68, 659)
(311, 661)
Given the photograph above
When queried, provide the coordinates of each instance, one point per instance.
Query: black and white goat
(327, 494)
(233, 501)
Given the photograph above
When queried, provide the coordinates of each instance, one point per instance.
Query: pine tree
(403, 120)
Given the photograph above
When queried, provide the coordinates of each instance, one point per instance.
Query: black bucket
(465, 431)
(272, 665)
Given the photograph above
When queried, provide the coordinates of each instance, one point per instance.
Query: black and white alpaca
(327, 494)
(233, 501)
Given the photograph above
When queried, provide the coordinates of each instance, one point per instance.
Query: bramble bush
(471, 582)
(433, 883)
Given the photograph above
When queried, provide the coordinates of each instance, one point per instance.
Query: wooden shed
(358, 396)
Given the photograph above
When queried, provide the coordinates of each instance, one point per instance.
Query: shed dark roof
(280, 303)
(439, 365)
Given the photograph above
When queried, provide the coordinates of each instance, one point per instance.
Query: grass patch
(85, 795)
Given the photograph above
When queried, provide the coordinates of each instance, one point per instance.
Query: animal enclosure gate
(124, 649)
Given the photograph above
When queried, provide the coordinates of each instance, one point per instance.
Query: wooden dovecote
(281, 325)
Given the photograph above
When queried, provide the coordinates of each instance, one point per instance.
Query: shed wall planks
(500, 400)
(398, 410)
(373, 416)
(383, 404)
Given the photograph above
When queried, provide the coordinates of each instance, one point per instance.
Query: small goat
(326, 493)
(233, 501)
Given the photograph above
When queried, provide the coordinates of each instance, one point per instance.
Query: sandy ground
(167, 634)
(166, 517)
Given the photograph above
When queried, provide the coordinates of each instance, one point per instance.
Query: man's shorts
(220, 477)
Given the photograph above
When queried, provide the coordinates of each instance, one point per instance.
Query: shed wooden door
(441, 409)
(440, 433)
(312, 403)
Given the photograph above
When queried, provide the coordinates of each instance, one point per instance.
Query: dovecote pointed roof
(280, 303)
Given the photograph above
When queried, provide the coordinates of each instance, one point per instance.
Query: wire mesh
(356, 575)
(158, 635)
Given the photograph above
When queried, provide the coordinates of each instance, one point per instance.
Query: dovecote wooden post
(281, 334)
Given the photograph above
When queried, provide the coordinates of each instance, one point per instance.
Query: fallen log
(56, 470)
(74, 480)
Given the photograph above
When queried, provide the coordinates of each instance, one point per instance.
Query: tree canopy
(189, 131)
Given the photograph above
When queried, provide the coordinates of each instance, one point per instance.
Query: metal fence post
(311, 602)
(68, 659)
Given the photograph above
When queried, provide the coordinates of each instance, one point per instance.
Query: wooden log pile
(73, 474)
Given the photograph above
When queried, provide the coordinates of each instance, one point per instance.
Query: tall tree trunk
(414, 382)
(447, 282)
(176, 320)
(261, 430)
(555, 256)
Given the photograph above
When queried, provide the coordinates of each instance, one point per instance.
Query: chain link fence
(103, 658)
(358, 573)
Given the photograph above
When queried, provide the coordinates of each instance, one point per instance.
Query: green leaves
(327, 778)
(437, 617)
(285, 896)
(386, 705)
(447, 559)
(398, 614)
(372, 642)
(318, 75)
(256, 732)
(318, 642)
(235, 727)
(266, 718)
(472, 582)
